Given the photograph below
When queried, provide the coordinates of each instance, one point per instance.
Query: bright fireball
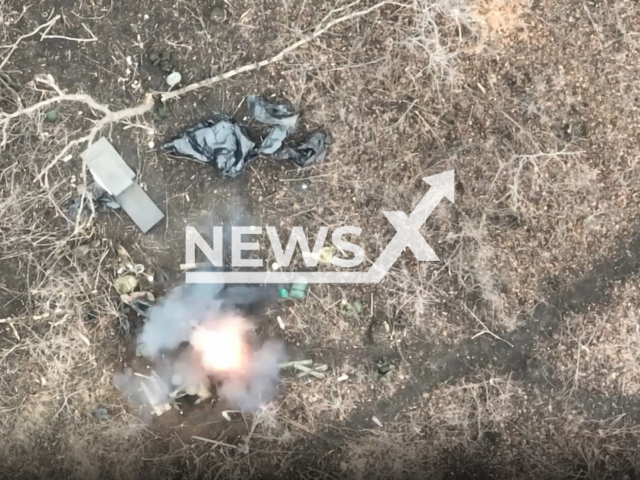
(221, 344)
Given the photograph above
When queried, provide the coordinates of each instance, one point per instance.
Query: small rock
(174, 79)
(378, 331)
(51, 116)
(154, 56)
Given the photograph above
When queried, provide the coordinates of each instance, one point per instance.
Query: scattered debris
(125, 284)
(163, 60)
(221, 142)
(138, 268)
(315, 370)
(306, 367)
(280, 115)
(174, 79)
(312, 151)
(227, 417)
(280, 322)
(297, 290)
(351, 309)
(385, 366)
(113, 174)
(377, 421)
(294, 363)
(182, 389)
(140, 302)
(379, 331)
(153, 390)
(101, 414)
(342, 378)
(102, 201)
(227, 145)
(326, 256)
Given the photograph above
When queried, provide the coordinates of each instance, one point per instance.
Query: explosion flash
(222, 344)
(196, 335)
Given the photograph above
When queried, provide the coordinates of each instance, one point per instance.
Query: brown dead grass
(600, 350)
(59, 341)
(451, 418)
(536, 204)
(503, 20)
(491, 427)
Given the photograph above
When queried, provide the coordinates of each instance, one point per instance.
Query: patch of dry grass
(452, 418)
(600, 350)
(59, 321)
(61, 345)
(406, 94)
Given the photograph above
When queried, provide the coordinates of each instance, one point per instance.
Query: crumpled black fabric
(280, 115)
(221, 142)
(226, 144)
(312, 151)
(102, 201)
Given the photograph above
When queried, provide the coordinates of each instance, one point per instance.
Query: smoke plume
(197, 332)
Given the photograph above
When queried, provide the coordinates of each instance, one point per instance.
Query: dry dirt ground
(516, 354)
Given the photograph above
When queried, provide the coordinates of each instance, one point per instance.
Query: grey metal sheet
(103, 147)
(144, 213)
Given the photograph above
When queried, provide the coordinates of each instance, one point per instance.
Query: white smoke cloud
(258, 385)
(172, 323)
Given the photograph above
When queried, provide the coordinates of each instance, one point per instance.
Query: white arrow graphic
(408, 228)
(407, 235)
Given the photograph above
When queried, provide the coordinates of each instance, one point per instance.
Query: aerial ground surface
(515, 356)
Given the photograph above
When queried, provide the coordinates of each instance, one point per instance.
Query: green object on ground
(297, 290)
(51, 116)
(297, 294)
(301, 287)
(357, 307)
(352, 309)
(125, 284)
